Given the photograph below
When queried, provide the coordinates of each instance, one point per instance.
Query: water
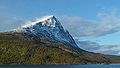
(62, 66)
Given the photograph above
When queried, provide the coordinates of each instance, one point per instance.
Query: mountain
(45, 41)
(50, 27)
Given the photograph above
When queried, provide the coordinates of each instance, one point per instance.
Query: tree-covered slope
(16, 48)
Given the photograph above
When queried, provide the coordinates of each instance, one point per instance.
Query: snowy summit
(42, 19)
(50, 27)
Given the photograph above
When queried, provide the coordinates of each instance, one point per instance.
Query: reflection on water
(62, 66)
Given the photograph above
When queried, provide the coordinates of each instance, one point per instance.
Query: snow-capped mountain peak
(50, 27)
(49, 20)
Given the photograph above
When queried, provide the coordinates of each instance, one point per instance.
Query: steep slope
(50, 27)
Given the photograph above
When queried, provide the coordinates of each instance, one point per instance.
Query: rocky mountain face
(50, 27)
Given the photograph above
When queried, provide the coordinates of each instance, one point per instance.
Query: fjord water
(63, 66)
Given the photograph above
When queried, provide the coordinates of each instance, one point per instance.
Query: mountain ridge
(32, 45)
(49, 26)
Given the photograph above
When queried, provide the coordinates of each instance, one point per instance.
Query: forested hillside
(16, 48)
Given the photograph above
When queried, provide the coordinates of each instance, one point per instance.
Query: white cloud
(107, 23)
(95, 47)
(109, 49)
(8, 21)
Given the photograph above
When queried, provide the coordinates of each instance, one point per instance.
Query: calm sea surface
(62, 66)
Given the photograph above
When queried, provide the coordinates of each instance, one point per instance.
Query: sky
(87, 20)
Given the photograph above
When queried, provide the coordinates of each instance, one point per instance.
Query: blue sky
(89, 20)
(84, 8)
